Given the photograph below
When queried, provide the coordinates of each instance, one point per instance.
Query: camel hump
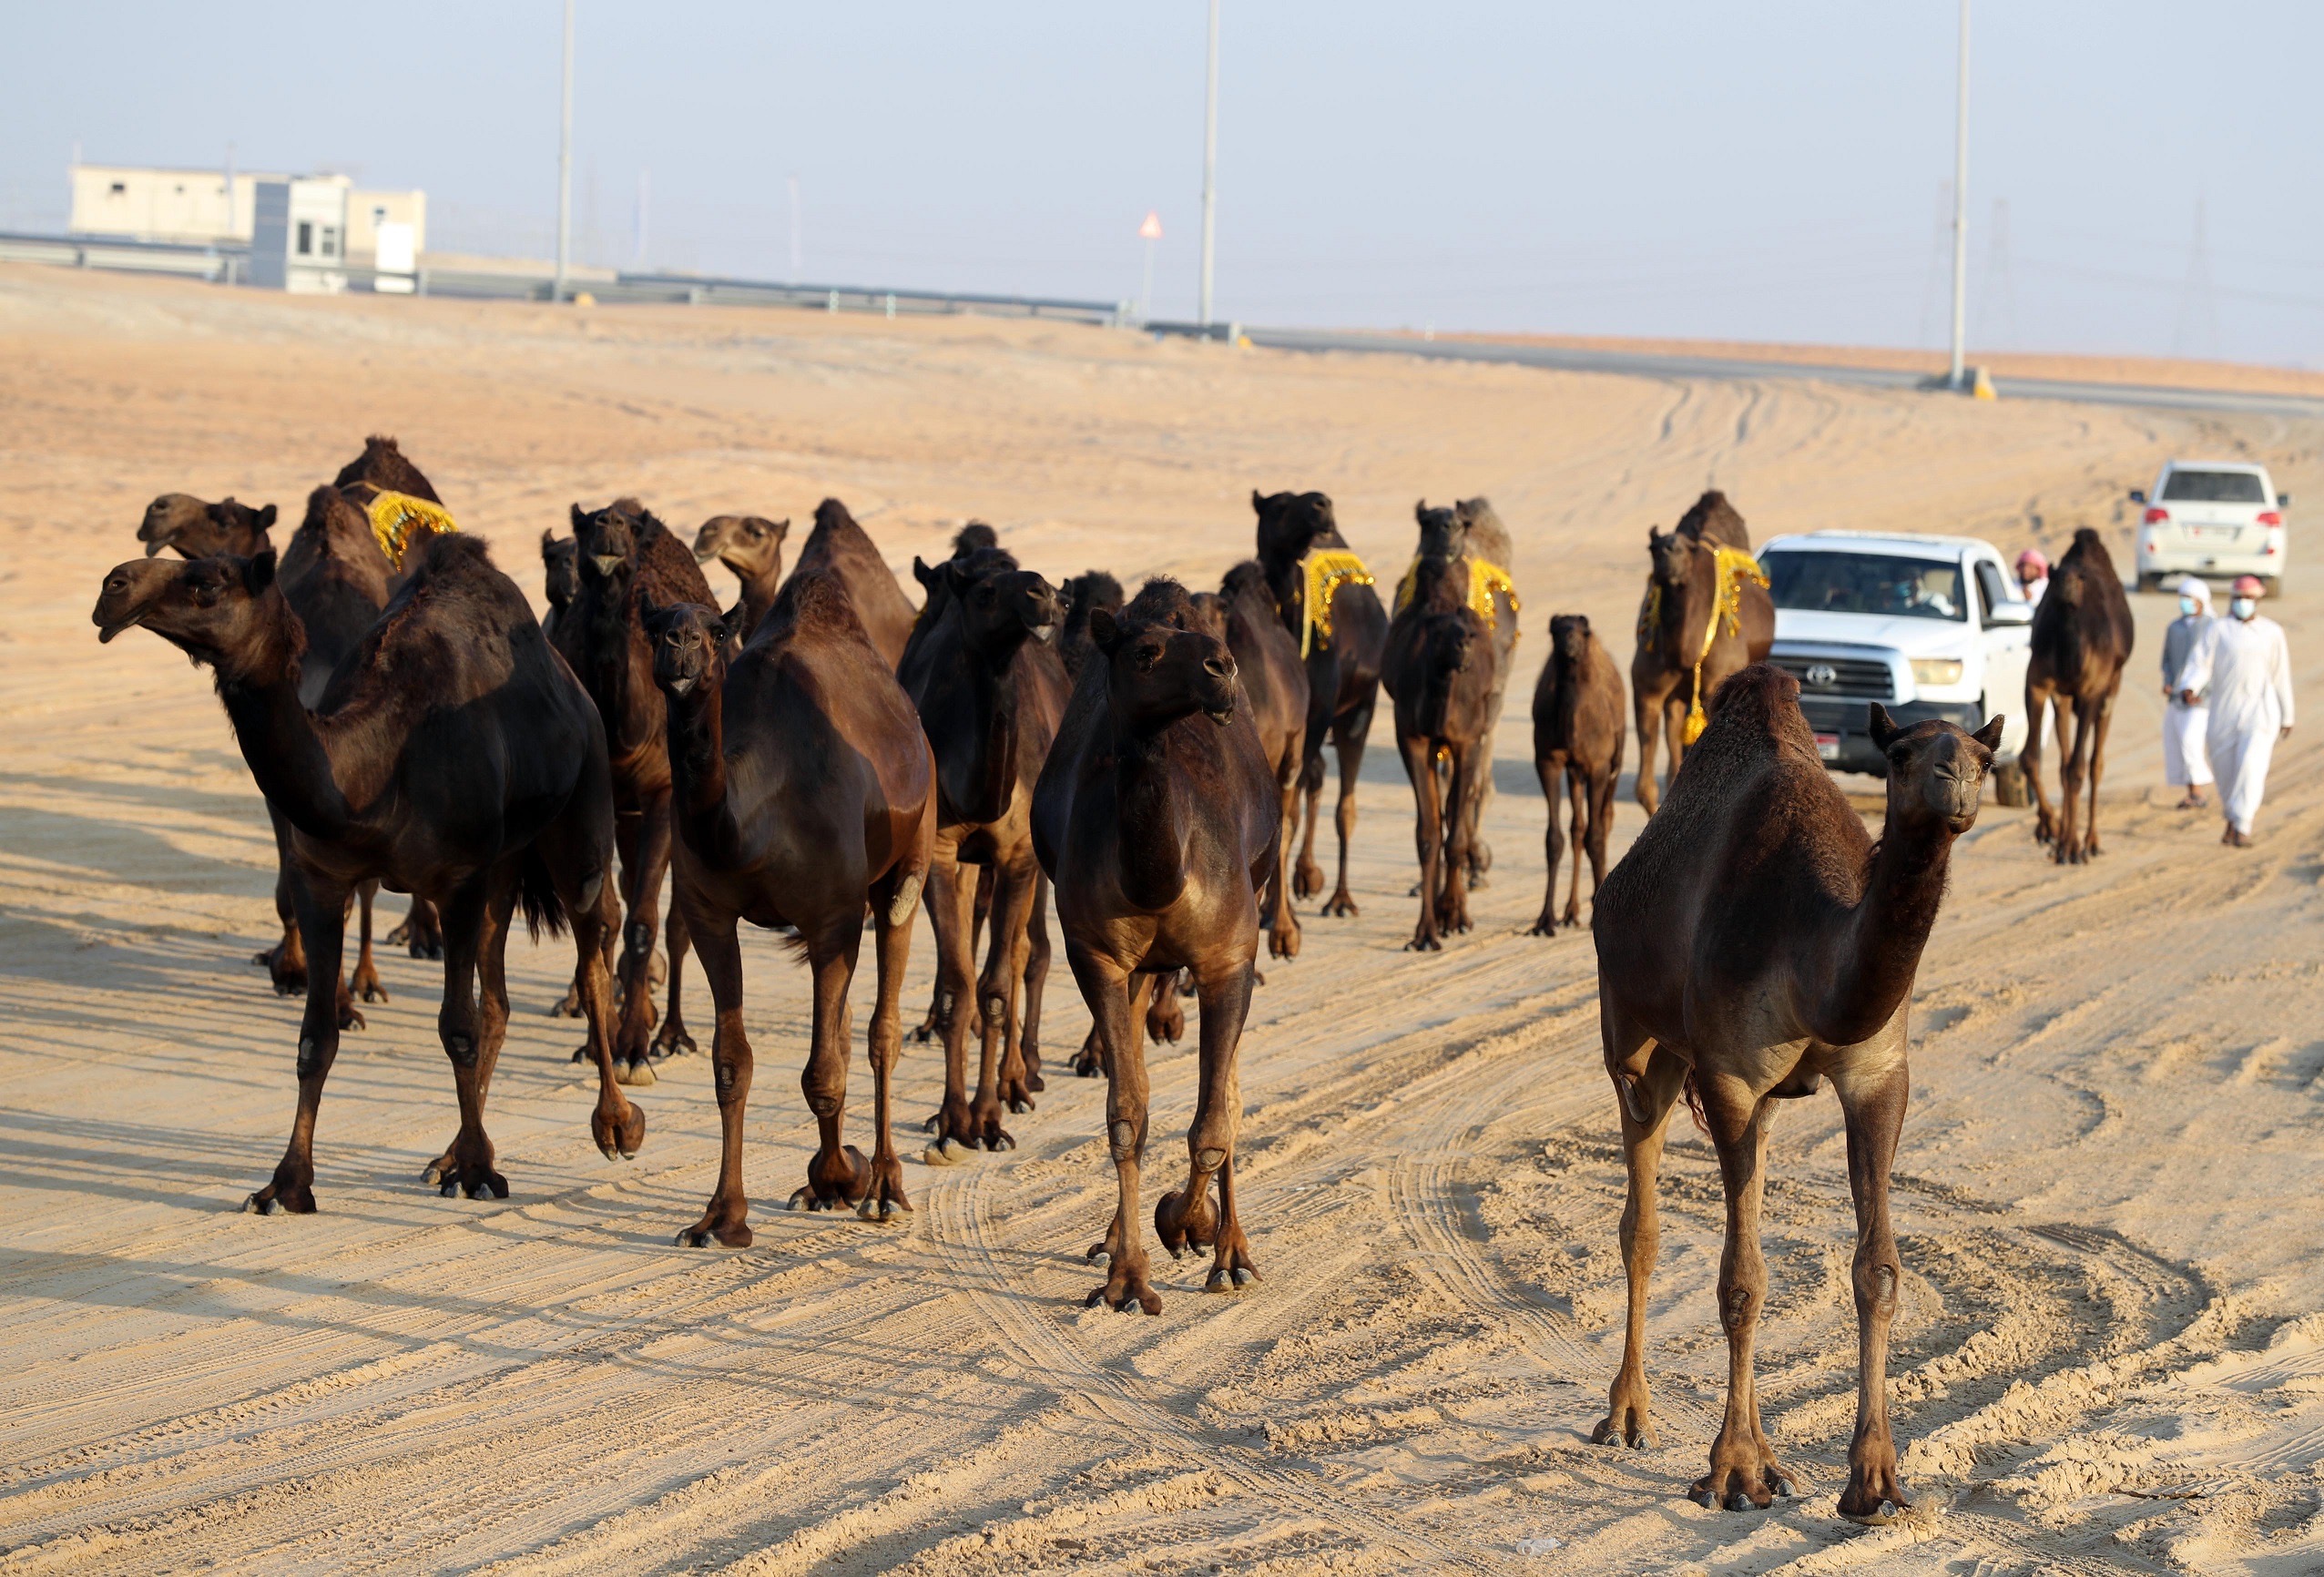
(454, 559)
(971, 536)
(1713, 519)
(813, 601)
(1247, 578)
(381, 463)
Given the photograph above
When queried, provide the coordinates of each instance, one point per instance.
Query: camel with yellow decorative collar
(1705, 614)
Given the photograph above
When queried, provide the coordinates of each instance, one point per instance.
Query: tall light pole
(1210, 165)
(1961, 206)
(564, 167)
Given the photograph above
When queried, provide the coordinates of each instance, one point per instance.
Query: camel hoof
(1224, 1281)
(373, 991)
(1785, 1488)
(1739, 1501)
(1704, 1499)
(1098, 1254)
(349, 1019)
(580, 1053)
(945, 1152)
(674, 1045)
(254, 1206)
(432, 1175)
(639, 1074)
(1879, 1516)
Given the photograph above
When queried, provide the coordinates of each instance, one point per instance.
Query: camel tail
(536, 895)
(1695, 1106)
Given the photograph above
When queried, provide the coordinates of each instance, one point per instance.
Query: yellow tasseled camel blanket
(396, 515)
(1327, 569)
(1484, 579)
(1735, 568)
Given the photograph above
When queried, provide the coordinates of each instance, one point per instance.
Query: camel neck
(288, 757)
(1879, 949)
(758, 594)
(696, 735)
(986, 786)
(1153, 819)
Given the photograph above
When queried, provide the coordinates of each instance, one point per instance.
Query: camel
(804, 785)
(1577, 736)
(1341, 640)
(1705, 614)
(627, 556)
(1243, 614)
(451, 757)
(1440, 670)
(1158, 816)
(193, 529)
(1753, 942)
(838, 545)
(989, 697)
(1083, 595)
(2082, 639)
(560, 574)
(1489, 542)
(752, 547)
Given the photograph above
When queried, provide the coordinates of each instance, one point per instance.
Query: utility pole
(564, 167)
(1210, 165)
(1961, 208)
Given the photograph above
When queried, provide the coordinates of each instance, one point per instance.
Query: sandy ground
(2109, 1358)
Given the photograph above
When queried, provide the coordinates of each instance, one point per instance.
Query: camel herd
(824, 758)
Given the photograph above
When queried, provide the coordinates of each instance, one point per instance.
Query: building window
(306, 238)
(118, 188)
(330, 240)
(378, 215)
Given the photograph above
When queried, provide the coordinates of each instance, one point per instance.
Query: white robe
(2247, 669)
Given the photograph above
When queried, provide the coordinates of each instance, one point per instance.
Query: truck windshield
(1866, 582)
(2212, 487)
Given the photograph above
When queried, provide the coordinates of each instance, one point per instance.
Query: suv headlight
(1936, 670)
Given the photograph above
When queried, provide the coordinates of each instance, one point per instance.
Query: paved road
(1650, 364)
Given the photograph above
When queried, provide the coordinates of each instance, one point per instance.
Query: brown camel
(751, 547)
(627, 556)
(804, 788)
(452, 756)
(1158, 816)
(840, 546)
(1440, 672)
(1753, 942)
(2082, 639)
(1698, 622)
(1243, 614)
(989, 697)
(560, 574)
(1342, 644)
(1489, 542)
(1577, 736)
(193, 529)
(1083, 595)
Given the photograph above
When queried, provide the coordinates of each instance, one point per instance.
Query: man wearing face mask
(2186, 762)
(2242, 663)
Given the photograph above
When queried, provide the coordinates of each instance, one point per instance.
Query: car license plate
(2213, 531)
(1827, 747)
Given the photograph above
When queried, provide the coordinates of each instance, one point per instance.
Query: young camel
(803, 786)
(2082, 639)
(1342, 646)
(989, 698)
(1687, 644)
(1752, 943)
(1441, 673)
(1578, 728)
(627, 557)
(193, 529)
(1158, 816)
(452, 756)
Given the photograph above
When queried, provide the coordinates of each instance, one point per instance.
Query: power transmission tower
(2198, 332)
(1997, 308)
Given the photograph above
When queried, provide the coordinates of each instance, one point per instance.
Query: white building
(193, 207)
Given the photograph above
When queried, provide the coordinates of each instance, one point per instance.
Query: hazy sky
(1770, 171)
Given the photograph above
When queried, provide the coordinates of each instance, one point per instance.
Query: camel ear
(923, 573)
(1104, 631)
(782, 529)
(1990, 736)
(265, 518)
(1883, 728)
(258, 574)
(1258, 502)
(578, 516)
(1420, 511)
(548, 540)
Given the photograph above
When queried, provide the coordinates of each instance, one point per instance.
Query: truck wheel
(2009, 787)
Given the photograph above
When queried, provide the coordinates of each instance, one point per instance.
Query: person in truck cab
(2186, 758)
(2243, 664)
(2033, 575)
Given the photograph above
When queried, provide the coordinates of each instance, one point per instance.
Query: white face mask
(2243, 608)
(2188, 606)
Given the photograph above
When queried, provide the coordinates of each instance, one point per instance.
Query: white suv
(1929, 627)
(2211, 518)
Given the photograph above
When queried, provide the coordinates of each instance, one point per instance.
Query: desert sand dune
(2109, 1356)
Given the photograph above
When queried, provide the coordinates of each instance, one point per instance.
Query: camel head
(1935, 769)
(971, 536)
(686, 639)
(1156, 670)
(1569, 638)
(561, 564)
(610, 537)
(1288, 523)
(199, 530)
(1444, 533)
(1672, 555)
(215, 610)
(1000, 604)
(745, 543)
(1087, 592)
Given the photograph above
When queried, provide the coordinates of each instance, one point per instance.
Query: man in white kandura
(2243, 664)
(2187, 760)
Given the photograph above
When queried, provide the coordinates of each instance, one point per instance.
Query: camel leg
(491, 977)
(1601, 824)
(1183, 1217)
(633, 1042)
(1548, 770)
(1577, 793)
(470, 1153)
(1107, 991)
(364, 983)
(1282, 926)
(1307, 877)
(2072, 767)
(837, 1175)
(1037, 980)
(1463, 797)
(1673, 730)
(883, 1192)
(576, 850)
(286, 962)
(1647, 1081)
(322, 910)
(952, 907)
(1645, 715)
(1743, 1469)
(2040, 699)
(671, 1039)
(1420, 765)
(1000, 1071)
(1348, 733)
(2100, 725)
(1872, 1103)
(727, 1218)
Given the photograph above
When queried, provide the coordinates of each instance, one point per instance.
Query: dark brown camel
(627, 557)
(2082, 639)
(1677, 636)
(560, 574)
(1084, 594)
(1490, 542)
(1157, 816)
(752, 547)
(1753, 942)
(1342, 648)
(840, 546)
(452, 756)
(804, 788)
(989, 698)
(193, 529)
(1266, 658)
(1440, 673)
(1578, 726)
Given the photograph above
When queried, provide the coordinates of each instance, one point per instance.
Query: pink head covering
(2249, 585)
(2033, 555)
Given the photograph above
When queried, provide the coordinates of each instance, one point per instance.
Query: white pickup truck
(1929, 627)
